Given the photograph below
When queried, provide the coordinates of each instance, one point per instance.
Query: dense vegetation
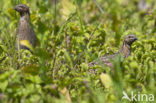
(71, 34)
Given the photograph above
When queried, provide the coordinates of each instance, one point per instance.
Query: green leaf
(31, 69)
(42, 53)
(68, 8)
(35, 79)
(3, 85)
(106, 80)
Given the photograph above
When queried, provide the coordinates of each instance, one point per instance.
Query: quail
(24, 31)
(125, 51)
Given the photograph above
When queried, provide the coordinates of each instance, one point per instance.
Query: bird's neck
(25, 17)
(125, 50)
(23, 26)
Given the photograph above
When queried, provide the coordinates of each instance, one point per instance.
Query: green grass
(76, 34)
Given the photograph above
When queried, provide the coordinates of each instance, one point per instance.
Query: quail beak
(135, 38)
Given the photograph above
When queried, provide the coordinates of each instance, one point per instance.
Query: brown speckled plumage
(25, 31)
(125, 51)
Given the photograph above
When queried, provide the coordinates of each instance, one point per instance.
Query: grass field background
(71, 34)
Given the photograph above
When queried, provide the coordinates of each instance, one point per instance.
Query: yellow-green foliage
(71, 36)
